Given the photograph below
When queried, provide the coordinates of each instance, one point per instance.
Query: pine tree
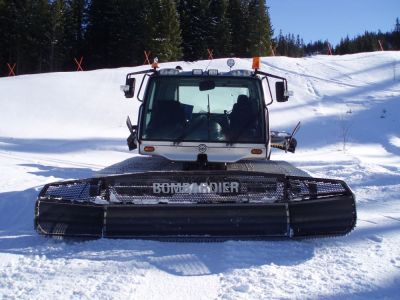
(4, 36)
(97, 35)
(103, 33)
(165, 40)
(193, 19)
(280, 44)
(28, 45)
(151, 13)
(137, 31)
(259, 29)
(237, 13)
(75, 24)
(219, 32)
(394, 37)
(172, 31)
(397, 25)
(56, 36)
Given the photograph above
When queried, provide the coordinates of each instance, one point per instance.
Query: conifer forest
(47, 35)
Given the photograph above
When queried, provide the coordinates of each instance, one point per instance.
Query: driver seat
(167, 119)
(242, 116)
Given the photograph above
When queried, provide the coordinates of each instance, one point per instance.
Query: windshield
(203, 109)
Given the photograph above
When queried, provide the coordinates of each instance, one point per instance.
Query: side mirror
(132, 139)
(129, 87)
(282, 94)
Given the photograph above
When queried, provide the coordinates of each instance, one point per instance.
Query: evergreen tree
(56, 35)
(259, 29)
(318, 47)
(394, 38)
(193, 19)
(134, 31)
(344, 46)
(27, 23)
(151, 13)
(280, 44)
(75, 24)
(4, 36)
(397, 26)
(165, 34)
(219, 32)
(238, 18)
(99, 33)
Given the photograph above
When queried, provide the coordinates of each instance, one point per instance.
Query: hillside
(58, 126)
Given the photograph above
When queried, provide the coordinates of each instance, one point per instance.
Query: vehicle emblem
(202, 148)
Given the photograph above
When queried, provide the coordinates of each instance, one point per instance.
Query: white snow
(67, 125)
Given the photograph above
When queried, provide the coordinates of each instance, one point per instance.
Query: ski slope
(69, 125)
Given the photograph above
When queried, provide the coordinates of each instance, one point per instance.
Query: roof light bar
(240, 73)
(169, 71)
(197, 72)
(213, 72)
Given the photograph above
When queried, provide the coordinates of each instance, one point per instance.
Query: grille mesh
(311, 188)
(78, 191)
(139, 189)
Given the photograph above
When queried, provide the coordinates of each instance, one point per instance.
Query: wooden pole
(147, 57)
(272, 50)
(11, 69)
(210, 53)
(79, 63)
(329, 49)
(380, 45)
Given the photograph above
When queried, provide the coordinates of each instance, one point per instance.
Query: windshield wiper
(186, 131)
(189, 129)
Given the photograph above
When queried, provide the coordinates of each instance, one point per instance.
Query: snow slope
(69, 125)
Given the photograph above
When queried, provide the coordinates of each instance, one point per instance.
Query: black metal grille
(312, 188)
(139, 188)
(78, 191)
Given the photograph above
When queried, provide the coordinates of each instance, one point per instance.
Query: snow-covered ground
(69, 125)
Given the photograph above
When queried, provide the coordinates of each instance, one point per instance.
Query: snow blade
(198, 204)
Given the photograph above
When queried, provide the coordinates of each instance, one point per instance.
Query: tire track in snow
(307, 75)
(309, 81)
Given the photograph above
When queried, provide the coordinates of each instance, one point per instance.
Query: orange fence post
(329, 49)
(79, 63)
(210, 53)
(146, 57)
(380, 45)
(11, 69)
(272, 50)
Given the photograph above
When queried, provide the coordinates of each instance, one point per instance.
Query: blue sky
(334, 19)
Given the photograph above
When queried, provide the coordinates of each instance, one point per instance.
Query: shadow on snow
(60, 145)
(59, 172)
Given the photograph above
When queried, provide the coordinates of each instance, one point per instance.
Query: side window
(151, 103)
